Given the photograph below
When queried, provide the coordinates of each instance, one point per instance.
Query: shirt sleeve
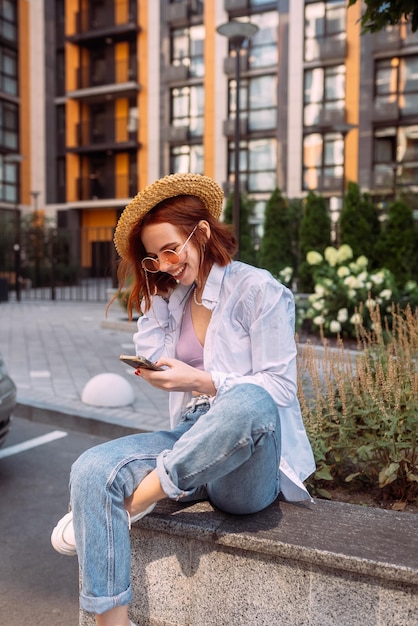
(155, 335)
(268, 317)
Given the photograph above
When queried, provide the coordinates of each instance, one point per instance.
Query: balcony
(230, 62)
(331, 117)
(104, 73)
(107, 133)
(100, 21)
(236, 5)
(177, 134)
(229, 127)
(387, 111)
(331, 183)
(176, 73)
(331, 48)
(387, 40)
(176, 12)
(384, 178)
(104, 187)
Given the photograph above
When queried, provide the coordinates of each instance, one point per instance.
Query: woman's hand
(178, 377)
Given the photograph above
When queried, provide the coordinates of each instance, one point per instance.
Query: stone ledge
(317, 564)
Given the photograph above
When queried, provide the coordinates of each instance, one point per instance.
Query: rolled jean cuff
(169, 488)
(101, 605)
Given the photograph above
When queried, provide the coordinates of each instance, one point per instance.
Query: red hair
(183, 212)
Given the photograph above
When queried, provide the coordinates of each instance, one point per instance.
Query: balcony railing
(105, 17)
(107, 131)
(88, 76)
(100, 186)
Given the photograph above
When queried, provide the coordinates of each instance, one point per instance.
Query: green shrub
(314, 234)
(359, 225)
(397, 247)
(360, 410)
(279, 246)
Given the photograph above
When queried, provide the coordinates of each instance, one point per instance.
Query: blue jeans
(229, 453)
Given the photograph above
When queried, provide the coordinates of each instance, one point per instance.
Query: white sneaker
(138, 516)
(62, 537)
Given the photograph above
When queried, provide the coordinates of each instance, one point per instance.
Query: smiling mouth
(177, 275)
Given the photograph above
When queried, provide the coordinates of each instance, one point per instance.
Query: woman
(224, 334)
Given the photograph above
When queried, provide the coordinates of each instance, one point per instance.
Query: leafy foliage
(314, 234)
(247, 252)
(359, 225)
(360, 410)
(279, 245)
(379, 13)
(398, 242)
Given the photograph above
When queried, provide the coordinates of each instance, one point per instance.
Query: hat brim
(203, 187)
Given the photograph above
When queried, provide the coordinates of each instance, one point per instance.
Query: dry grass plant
(360, 409)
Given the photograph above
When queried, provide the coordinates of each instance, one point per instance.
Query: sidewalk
(52, 349)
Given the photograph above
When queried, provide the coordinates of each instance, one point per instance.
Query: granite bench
(321, 564)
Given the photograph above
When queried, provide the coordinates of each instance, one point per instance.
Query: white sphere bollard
(108, 390)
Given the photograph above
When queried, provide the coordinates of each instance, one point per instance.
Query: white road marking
(32, 443)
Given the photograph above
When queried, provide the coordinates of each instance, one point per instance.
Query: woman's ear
(204, 227)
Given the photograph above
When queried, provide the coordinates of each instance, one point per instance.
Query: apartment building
(98, 98)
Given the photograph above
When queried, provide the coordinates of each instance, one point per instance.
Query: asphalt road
(38, 585)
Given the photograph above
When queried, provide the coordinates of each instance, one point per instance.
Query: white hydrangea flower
(362, 261)
(351, 282)
(356, 319)
(314, 258)
(342, 315)
(386, 294)
(335, 326)
(344, 253)
(378, 278)
(343, 271)
(370, 303)
(319, 290)
(318, 320)
(331, 256)
(318, 305)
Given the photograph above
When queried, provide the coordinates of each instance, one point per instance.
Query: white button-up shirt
(250, 339)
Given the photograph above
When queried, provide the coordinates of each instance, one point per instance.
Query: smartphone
(139, 361)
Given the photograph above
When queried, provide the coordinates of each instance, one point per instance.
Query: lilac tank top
(188, 347)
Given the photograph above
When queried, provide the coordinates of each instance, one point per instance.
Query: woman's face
(158, 237)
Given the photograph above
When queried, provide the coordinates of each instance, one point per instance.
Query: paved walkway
(52, 349)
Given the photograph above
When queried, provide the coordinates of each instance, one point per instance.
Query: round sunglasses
(169, 257)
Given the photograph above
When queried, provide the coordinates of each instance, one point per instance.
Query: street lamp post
(237, 33)
(16, 159)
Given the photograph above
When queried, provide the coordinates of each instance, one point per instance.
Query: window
(8, 71)
(9, 180)
(323, 160)
(258, 102)
(396, 83)
(324, 89)
(187, 104)
(263, 45)
(187, 49)
(9, 126)
(396, 156)
(187, 158)
(323, 21)
(8, 20)
(258, 164)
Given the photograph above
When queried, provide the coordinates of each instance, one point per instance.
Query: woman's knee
(250, 402)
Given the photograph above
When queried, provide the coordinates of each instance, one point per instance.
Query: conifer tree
(314, 234)
(397, 247)
(247, 252)
(279, 244)
(359, 225)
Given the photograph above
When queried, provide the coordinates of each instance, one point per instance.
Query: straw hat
(205, 188)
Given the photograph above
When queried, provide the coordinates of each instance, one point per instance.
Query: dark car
(7, 400)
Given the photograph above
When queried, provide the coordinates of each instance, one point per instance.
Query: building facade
(98, 98)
